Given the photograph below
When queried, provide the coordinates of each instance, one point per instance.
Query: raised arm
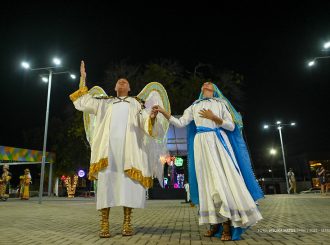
(81, 99)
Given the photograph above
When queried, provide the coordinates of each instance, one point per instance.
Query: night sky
(269, 44)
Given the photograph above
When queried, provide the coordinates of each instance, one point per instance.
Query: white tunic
(222, 191)
(114, 188)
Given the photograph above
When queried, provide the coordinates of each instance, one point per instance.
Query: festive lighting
(81, 173)
(71, 188)
(178, 161)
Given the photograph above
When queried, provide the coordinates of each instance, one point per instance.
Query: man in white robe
(223, 195)
(118, 155)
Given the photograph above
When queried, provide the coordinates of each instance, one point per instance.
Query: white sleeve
(227, 119)
(87, 103)
(183, 121)
(83, 101)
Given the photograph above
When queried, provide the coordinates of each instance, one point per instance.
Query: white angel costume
(125, 143)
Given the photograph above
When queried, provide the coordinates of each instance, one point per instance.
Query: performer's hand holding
(153, 113)
(161, 110)
(83, 75)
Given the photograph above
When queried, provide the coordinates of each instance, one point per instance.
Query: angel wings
(154, 147)
(152, 94)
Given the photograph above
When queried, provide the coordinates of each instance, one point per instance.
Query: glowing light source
(25, 65)
(71, 187)
(326, 45)
(311, 63)
(272, 151)
(81, 173)
(178, 161)
(57, 61)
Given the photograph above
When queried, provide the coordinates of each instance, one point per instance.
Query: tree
(72, 149)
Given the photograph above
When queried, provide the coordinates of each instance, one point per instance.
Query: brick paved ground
(294, 219)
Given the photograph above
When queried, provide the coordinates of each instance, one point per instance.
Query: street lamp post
(279, 126)
(49, 80)
(272, 152)
(312, 62)
(326, 47)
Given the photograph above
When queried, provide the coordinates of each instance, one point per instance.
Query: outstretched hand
(82, 75)
(158, 108)
(82, 70)
(153, 113)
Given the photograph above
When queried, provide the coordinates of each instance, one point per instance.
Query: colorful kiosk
(19, 156)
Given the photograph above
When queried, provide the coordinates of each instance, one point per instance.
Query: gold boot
(104, 233)
(127, 226)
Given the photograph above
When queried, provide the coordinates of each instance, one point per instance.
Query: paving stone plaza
(288, 219)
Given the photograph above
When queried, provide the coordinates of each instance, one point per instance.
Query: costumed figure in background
(4, 183)
(20, 186)
(221, 179)
(26, 185)
(127, 139)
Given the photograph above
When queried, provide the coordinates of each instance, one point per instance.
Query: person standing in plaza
(26, 185)
(20, 186)
(4, 183)
(322, 178)
(186, 187)
(119, 159)
(292, 181)
(221, 179)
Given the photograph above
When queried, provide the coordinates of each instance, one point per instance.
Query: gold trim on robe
(96, 167)
(135, 174)
(80, 92)
(151, 123)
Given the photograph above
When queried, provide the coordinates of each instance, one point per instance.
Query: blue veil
(241, 153)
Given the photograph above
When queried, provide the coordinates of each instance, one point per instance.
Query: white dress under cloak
(222, 191)
(114, 188)
(118, 137)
